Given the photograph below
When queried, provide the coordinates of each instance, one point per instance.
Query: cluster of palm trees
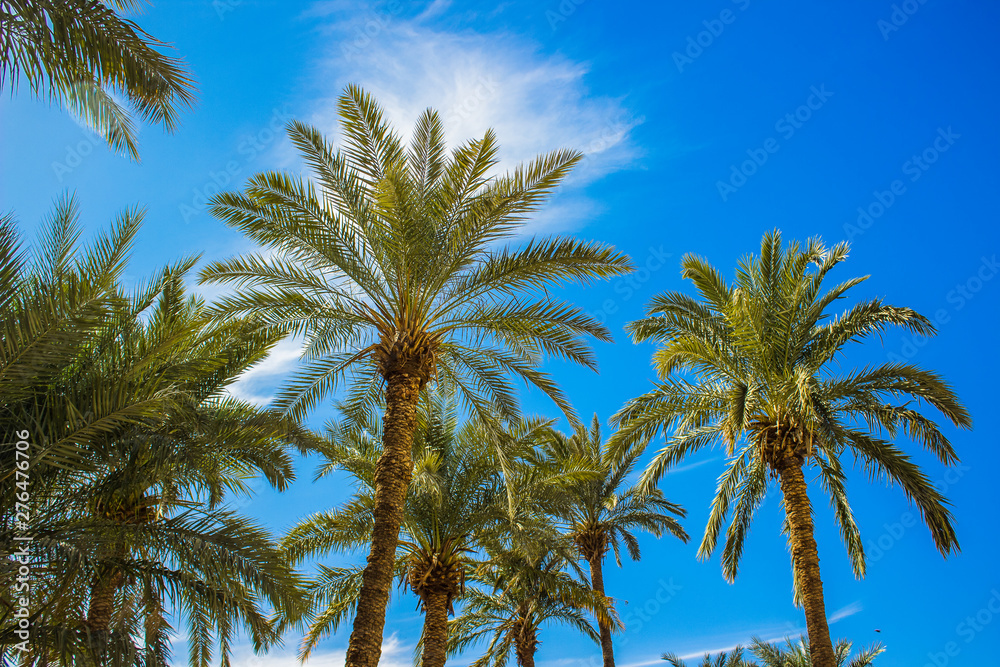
(398, 266)
(134, 447)
(498, 519)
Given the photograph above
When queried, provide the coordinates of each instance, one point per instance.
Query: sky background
(862, 121)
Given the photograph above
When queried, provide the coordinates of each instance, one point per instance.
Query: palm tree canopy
(733, 658)
(748, 365)
(136, 449)
(457, 496)
(796, 654)
(393, 261)
(83, 53)
(600, 513)
(528, 593)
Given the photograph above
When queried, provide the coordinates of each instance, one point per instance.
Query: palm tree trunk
(805, 560)
(392, 478)
(102, 605)
(435, 630)
(525, 646)
(597, 583)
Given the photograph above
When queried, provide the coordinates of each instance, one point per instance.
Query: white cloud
(535, 102)
(256, 385)
(720, 644)
(690, 466)
(844, 612)
(723, 643)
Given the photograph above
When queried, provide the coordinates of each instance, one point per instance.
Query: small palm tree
(82, 53)
(732, 659)
(797, 654)
(392, 267)
(524, 593)
(759, 354)
(600, 514)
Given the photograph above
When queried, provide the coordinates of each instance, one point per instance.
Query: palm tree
(82, 53)
(797, 654)
(601, 514)
(762, 384)
(392, 268)
(54, 299)
(525, 592)
(138, 517)
(456, 497)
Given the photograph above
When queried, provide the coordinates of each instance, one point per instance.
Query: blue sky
(704, 126)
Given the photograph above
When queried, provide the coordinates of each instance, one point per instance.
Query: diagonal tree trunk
(435, 629)
(806, 561)
(597, 583)
(392, 478)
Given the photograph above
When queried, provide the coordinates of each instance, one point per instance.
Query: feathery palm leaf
(85, 55)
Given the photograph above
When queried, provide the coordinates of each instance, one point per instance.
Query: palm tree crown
(796, 654)
(389, 264)
(529, 591)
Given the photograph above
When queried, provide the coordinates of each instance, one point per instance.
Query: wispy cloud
(720, 643)
(844, 612)
(257, 384)
(535, 102)
(769, 634)
(691, 466)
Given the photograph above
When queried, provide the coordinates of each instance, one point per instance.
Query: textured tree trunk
(102, 600)
(435, 630)
(392, 478)
(805, 559)
(597, 583)
(525, 651)
(102, 606)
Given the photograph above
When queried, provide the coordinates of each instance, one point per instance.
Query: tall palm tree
(138, 518)
(759, 380)
(602, 513)
(457, 496)
(525, 591)
(393, 269)
(82, 53)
